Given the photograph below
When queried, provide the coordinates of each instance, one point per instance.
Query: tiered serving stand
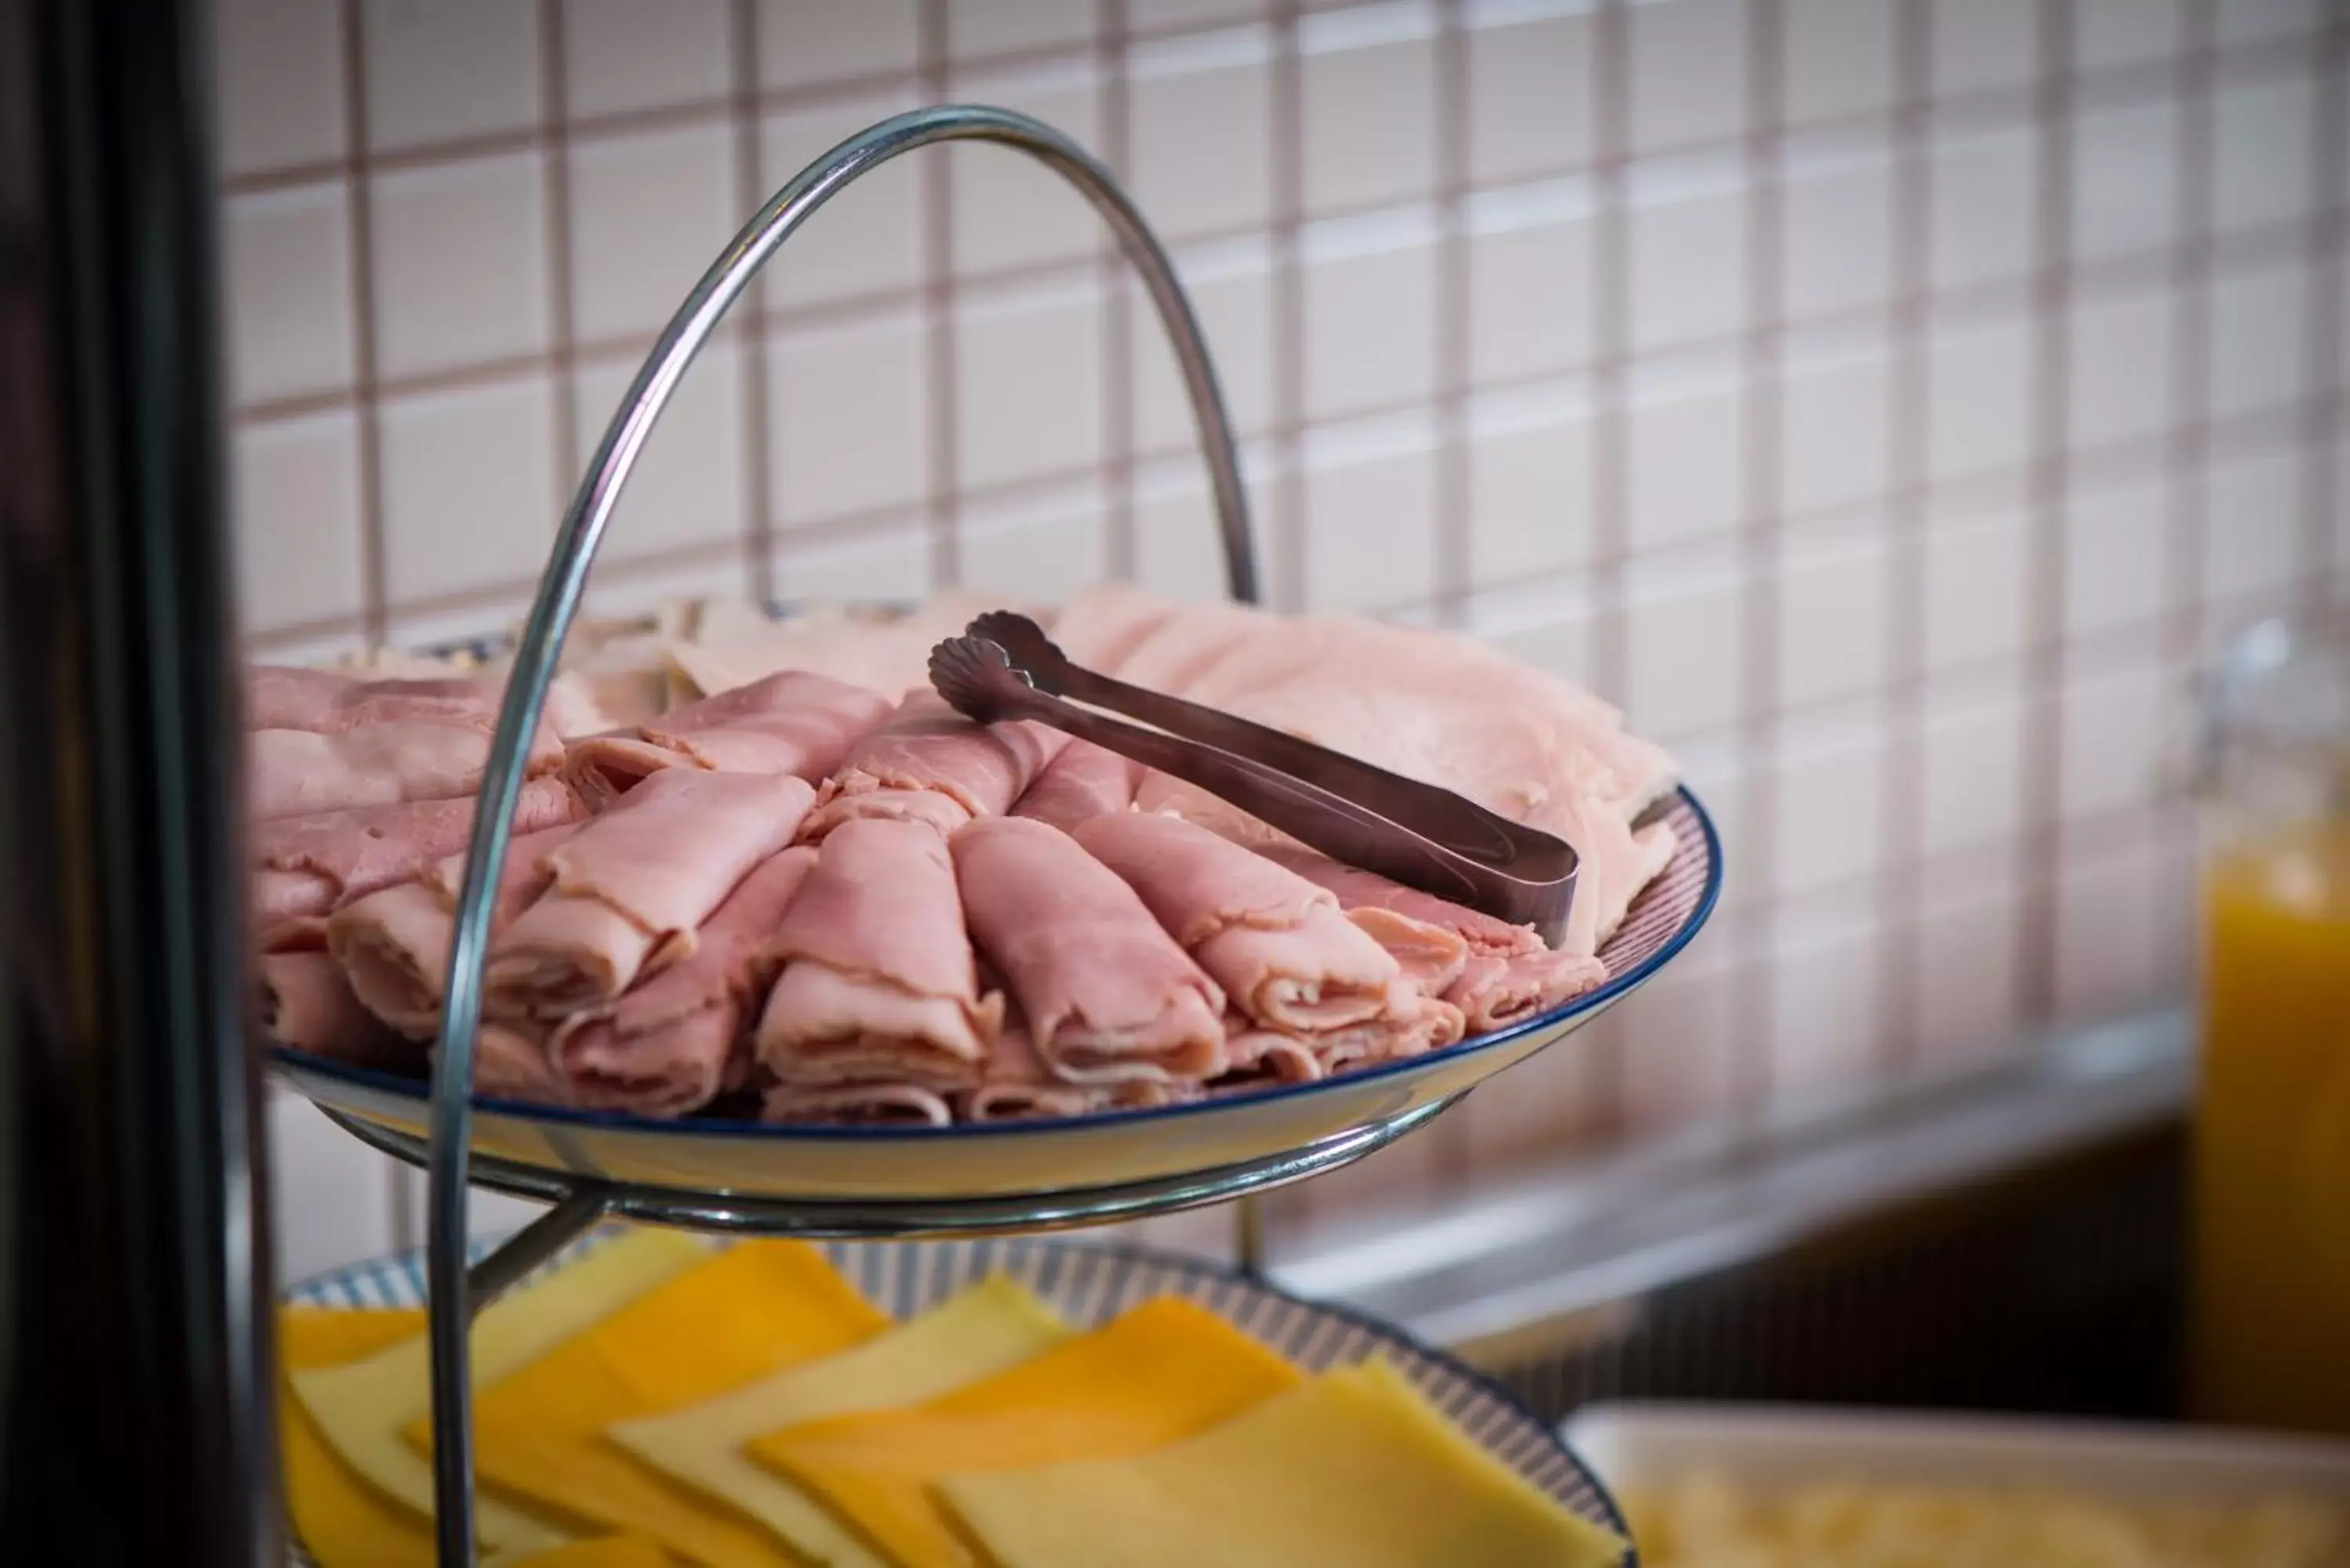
(881, 1183)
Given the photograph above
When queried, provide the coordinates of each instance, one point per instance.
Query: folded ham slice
(1108, 996)
(1084, 781)
(790, 722)
(927, 746)
(510, 1062)
(1018, 1086)
(291, 772)
(1413, 1024)
(306, 866)
(394, 943)
(277, 697)
(879, 984)
(1255, 1058)
(673, 1043)
(856, 1105)
(306, 1003)
(629, 890)
(1505, 972)
(1275, 942)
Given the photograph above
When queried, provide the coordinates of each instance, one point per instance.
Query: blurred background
(1893, 404)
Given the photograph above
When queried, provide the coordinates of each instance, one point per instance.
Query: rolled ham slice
(1506, 971)
(1084, 781)
(926, 746)
(1255, 1058)
(510, 1062)
(1411, 1023)
(277, 697)
(1276, 943)
(291, 772)
(675, 1043)
(1020, 1087)
(879, 984)
(790, 722)
(306, 1003)
(1108, 996)
(306, 866)
(856, 1105)
(627, 893)
(394, 943)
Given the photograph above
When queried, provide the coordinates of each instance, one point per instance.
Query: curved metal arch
(558, 604)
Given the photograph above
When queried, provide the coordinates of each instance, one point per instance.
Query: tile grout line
(1121, 548)
(2040, 864)
(2321, 476)
(1907, 468)
(750, 193)
(2189, 458)
(1453, 1147)
(366, 409)
(940, 395)
(1754, 984)
(555, 172)
(1283, 585)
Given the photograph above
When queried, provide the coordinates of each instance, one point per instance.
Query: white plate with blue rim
(1089, 1284)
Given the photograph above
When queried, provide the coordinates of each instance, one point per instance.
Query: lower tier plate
(1089, 1284)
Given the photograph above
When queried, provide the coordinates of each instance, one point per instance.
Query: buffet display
(746, 881)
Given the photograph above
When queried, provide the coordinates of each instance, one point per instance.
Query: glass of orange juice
(2270, 1342)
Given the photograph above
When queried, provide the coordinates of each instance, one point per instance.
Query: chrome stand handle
(557, 603)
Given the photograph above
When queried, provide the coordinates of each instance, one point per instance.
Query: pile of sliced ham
(796, 897)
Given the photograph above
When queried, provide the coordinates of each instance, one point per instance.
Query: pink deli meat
(394, 943)
(306, 1003)
(789, 722)
(674, 1043)
(627, 891)
(1018, 1086)
(1108, 994)
(1276, 943)
(1084, 781)
(306, 866)
(879, 983)
(926, 747)
(856, 1105)
(291, 772)
(277, 697)
(1505, 972)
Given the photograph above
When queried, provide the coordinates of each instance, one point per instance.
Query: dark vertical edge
(139, 1278)
(937, 175)
(2048, 474)
(367, 414)
(562, 318)
(1762, 538)
(1121, 550)
(2321, 453)
(1285, 516)
(1907, 462)
(751, 341)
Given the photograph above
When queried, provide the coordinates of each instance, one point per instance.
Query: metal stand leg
(531, 1245)
(453, 1295)
(1248, 1236)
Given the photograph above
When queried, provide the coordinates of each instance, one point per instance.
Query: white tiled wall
(1887, 400)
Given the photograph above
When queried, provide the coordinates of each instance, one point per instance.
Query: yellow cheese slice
(980, 1332)
(361, 1405)
(1163, 1371)
(604, 1551)
(744, 1314)
(342, 1522)
(1355, 1468)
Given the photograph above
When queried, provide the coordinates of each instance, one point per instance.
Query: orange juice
(2272, 1335)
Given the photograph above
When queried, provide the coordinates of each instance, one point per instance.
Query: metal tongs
(1005, 667)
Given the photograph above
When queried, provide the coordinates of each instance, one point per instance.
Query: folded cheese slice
(604, 1551)
(1356, 1467)
(749, 1311)
(1163, 1371)
(982, 1330)
(342, 1522)
(362, 1407)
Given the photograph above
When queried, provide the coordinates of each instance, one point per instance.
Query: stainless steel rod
(531, 1245)
(557, 603)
